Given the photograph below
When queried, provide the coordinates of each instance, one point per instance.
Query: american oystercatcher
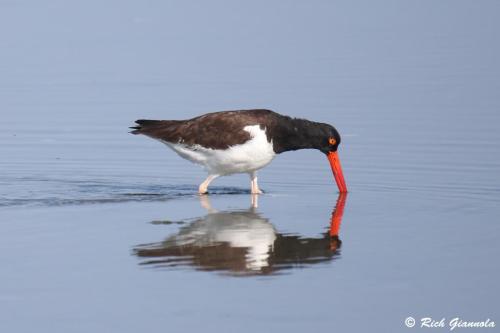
(244, 141)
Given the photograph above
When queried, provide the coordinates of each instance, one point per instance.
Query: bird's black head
(328, 139)
(328, 143)
(294, 134)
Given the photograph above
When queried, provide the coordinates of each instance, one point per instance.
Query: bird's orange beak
(333, 157)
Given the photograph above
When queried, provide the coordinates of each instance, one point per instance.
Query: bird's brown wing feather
(218, 130)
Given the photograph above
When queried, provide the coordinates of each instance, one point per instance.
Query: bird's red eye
(332, 141)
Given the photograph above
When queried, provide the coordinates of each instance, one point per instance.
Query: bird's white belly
(252, 233)
(252, 155)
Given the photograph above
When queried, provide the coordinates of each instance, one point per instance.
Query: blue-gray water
(94, 221)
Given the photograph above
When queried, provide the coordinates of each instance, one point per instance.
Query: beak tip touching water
(333, 157)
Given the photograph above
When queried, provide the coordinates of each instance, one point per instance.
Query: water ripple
(59, 192)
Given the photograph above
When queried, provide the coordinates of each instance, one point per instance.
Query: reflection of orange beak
(333, 157)
(337, 213)
(335, 222)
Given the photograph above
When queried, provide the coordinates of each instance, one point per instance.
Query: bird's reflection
(241, 242)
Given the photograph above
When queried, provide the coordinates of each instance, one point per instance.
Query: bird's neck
(294, 134)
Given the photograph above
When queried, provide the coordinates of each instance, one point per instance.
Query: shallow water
(102, 230)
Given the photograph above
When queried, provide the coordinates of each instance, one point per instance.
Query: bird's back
(217, 130)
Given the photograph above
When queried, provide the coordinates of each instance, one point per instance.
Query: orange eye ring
(332, 141)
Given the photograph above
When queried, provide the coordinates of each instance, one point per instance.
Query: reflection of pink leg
(205, 203)
(203, 188)
(253, 184)
(255, 201)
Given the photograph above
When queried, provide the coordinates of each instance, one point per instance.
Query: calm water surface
(103, 231)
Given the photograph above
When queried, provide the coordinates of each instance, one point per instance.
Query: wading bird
(244, 141)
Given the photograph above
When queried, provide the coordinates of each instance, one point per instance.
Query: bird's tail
(144, 125)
